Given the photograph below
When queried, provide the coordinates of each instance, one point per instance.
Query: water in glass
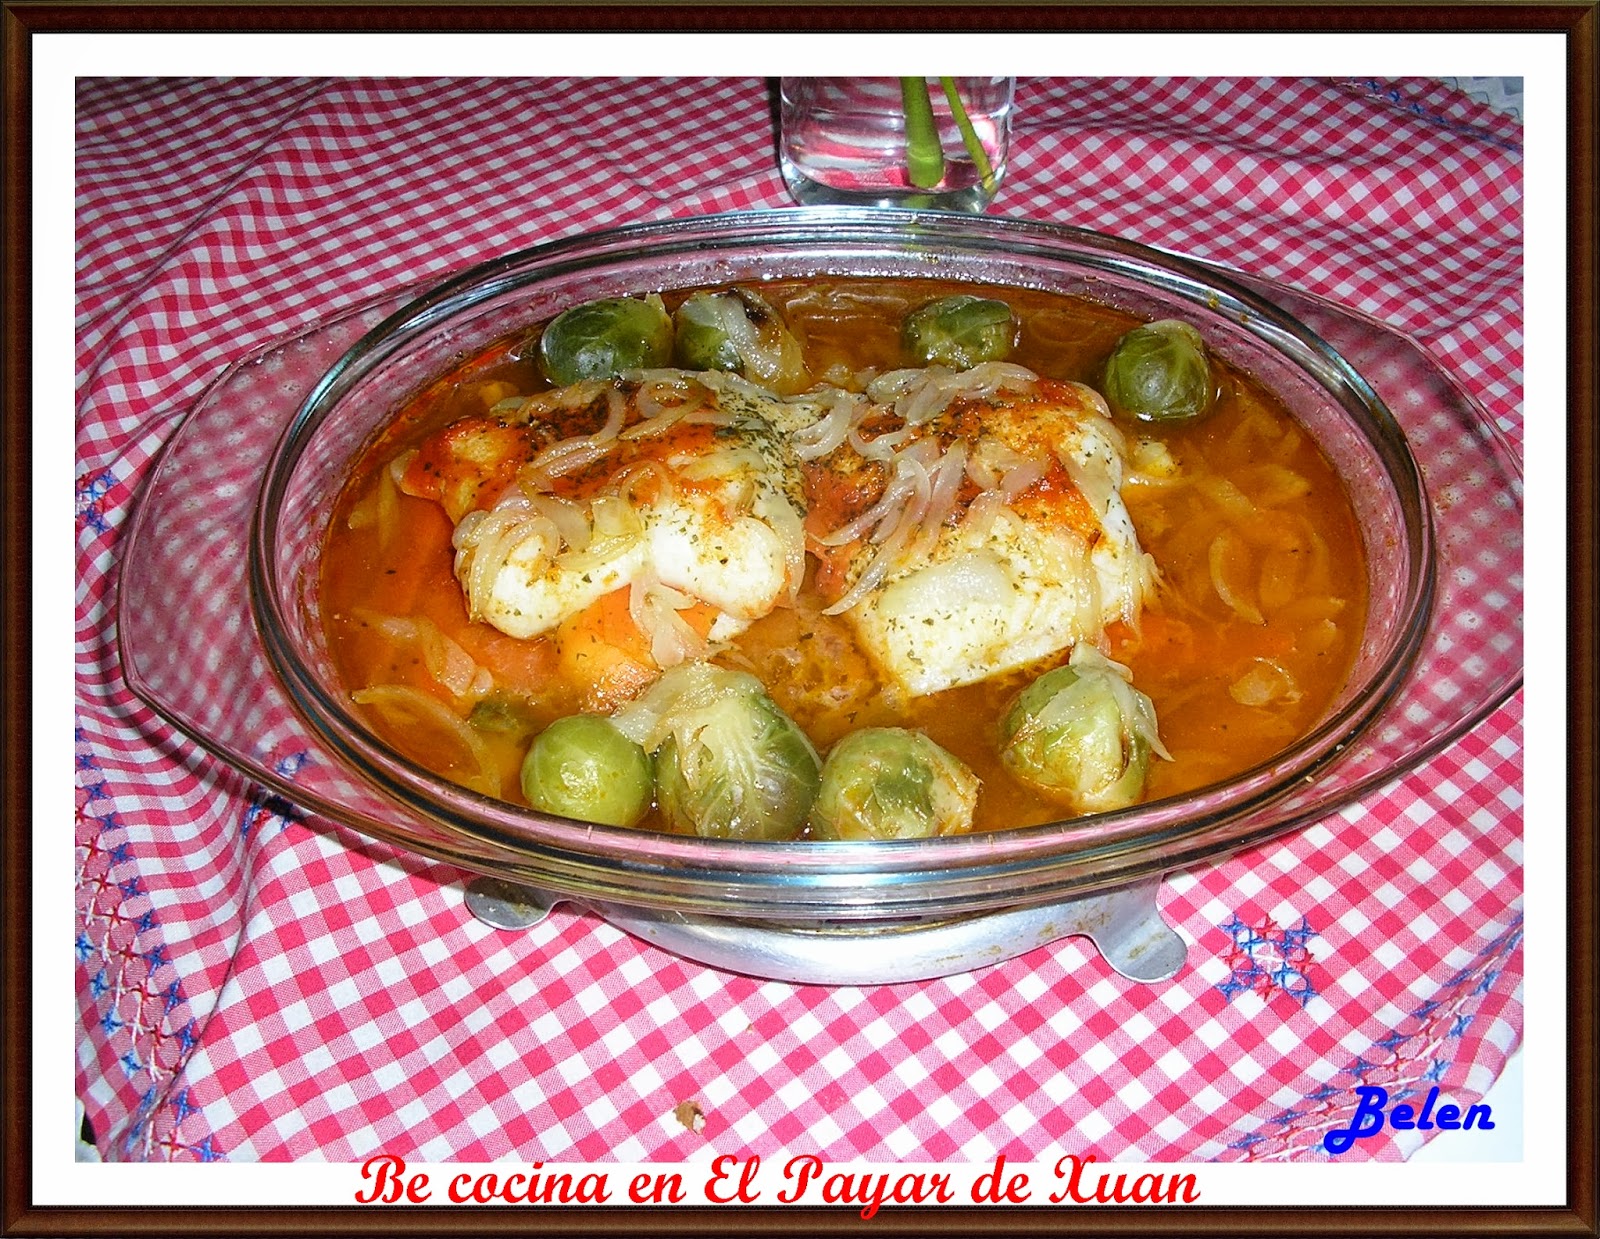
(886, 141)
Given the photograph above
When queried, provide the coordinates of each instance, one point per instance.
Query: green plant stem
(969, 135)
(924, 156)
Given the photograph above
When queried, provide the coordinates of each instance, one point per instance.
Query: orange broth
(1248, 641)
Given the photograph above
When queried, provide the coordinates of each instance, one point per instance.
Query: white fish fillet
(1005, 580)
(699, 507)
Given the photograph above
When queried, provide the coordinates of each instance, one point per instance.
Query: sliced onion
(569, 456)
(1255, 432)
(902, 511)
(942, 497)
(1319, 638)
(472, 563)
(727, 381)
(1228, 497)
(876, 570)
(625, 479)
(1137, 711)
(982, 473)
(730, 462)
(736, 325)
(574, 453)
(924, 401)
(989, 461)
(779, 515)
(845, 410)
(711, 417)
(1305, 610)
(1225, 548)
(1096, 487)
(654, 608)
(399, 465)
(512, 408)
(915, 503)
(1097, 406)
(669, 375)
(674, 700)
(889, 386)
(982, 512)
(388, 508)
(925, 452)
(687, 395)
(1318, 575)
(889, 504)
(402, 707)
(920, 395)
(1279, 584)
(485, 542)
(364, 514)
(450, 665)
(1277, 484)
(615, 527)
(1021, 477)
(567, 517)
(613, 516)
(654, 424)
(1265, 683)
(879, 447)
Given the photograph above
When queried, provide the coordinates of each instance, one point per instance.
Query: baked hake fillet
(973, 523)
(680, 488)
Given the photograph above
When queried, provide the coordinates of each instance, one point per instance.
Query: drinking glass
(938, 142)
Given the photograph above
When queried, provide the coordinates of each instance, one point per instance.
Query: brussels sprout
(583, 767)
(601, 339)
(739, 332)
(1082, 734)
(959, 332)
(729, 763)
(890, 783)
(1159, 373)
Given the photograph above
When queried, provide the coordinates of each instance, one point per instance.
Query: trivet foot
(506, 905)
(1135, 940)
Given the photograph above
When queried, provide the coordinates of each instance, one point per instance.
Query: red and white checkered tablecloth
(254, 984)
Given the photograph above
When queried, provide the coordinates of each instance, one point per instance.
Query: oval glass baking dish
(360, 393)
(277, 695)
